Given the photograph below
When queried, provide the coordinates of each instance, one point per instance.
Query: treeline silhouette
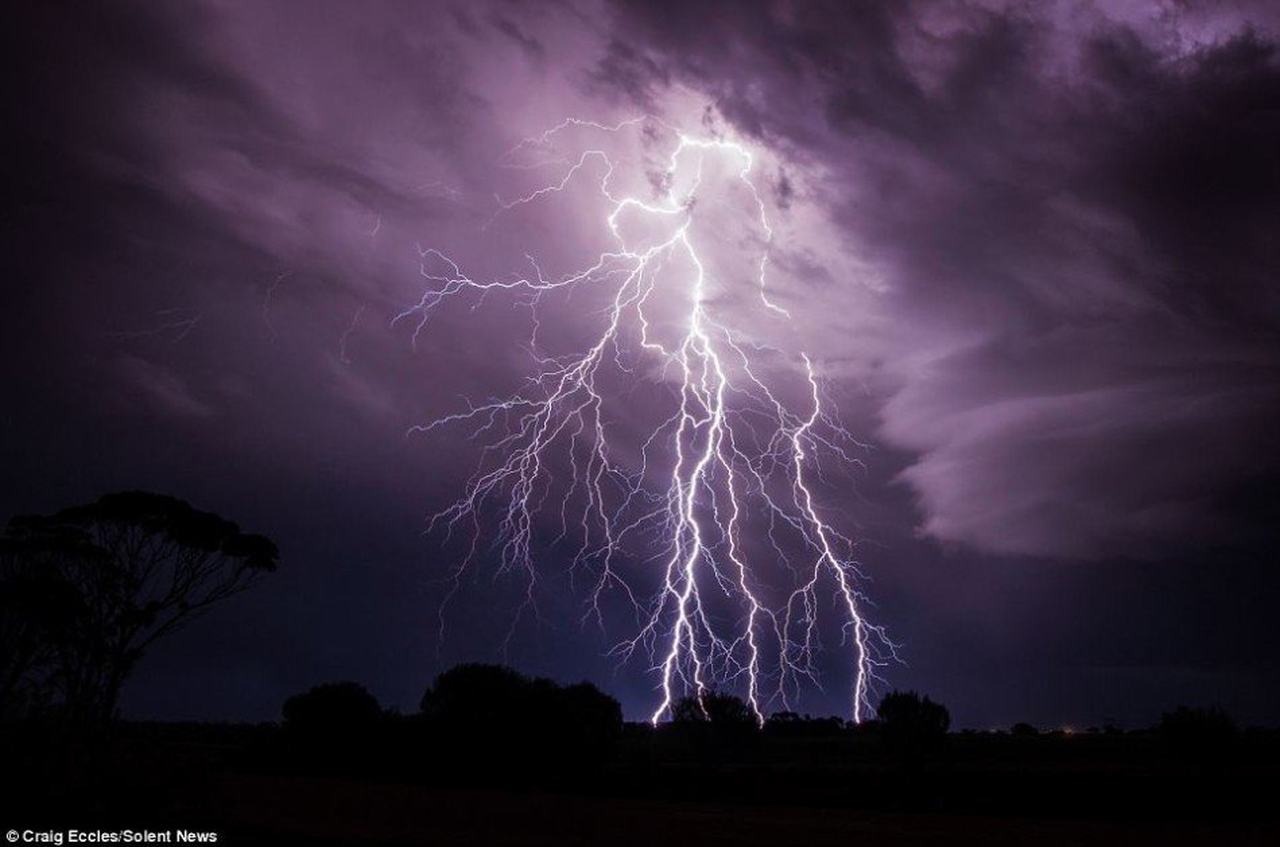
(488, 725)
(491, 722)
(475, 721)
(84, 593)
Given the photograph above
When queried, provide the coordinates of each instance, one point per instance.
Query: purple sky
(1032, 247)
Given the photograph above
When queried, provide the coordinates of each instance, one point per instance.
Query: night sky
(1032, 248)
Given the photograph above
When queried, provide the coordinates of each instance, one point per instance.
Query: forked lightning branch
(706, 528)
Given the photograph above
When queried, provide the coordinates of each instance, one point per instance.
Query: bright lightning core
(703, 521)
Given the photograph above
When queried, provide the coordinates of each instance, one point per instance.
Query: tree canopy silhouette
(715, 725)
(911, 724)
(719, 709)
(36, 612)
(478, 695)
(110, 578)
(481, 711)
(335, 706)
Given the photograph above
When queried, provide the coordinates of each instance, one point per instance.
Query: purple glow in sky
(1028, 249)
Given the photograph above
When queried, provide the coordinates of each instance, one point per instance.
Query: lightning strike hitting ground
(715, 506)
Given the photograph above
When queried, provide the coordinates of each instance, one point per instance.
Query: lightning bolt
(347, 333)
(719, 497)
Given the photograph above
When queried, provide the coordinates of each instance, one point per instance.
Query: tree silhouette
(335, 706)
(716, 725)
(590, 720)
(719, 709)
(483, 713)
(913, 725)
(477, 696)
(36, 612)
(117, 574)
(332, 727)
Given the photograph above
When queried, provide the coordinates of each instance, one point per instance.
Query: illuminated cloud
(1030, 247)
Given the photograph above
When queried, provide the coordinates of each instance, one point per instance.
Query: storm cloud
(1072, 216)
(1032, 247)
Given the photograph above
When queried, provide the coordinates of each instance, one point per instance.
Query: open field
(655, 788)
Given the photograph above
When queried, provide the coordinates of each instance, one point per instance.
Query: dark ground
(658, 788)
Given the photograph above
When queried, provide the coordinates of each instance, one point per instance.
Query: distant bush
(1198, 733)
(478, 696)
(721, 710)
(1023, 730)
(476, 722)
(478, 712)
(913, 725)
(590, 716)
(870, 728)
(792, 725)
(333, 707)
(715, 726)
(332, 728)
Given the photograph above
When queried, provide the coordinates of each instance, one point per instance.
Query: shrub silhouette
(912, 725)
(1023, 730)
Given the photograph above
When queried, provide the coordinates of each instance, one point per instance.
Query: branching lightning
(707, 525)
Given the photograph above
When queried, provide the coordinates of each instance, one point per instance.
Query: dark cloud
(1046, 260)
(532, 47)
(1075, 216)
(629, 72)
